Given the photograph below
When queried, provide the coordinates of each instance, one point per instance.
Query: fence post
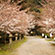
(19, 36)
(16, 36)
(10, 38)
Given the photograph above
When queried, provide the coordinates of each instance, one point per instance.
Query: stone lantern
(51, 35)
(45, 36)
(10, 38)
(42, 34)
(16, 36)
(10, 35)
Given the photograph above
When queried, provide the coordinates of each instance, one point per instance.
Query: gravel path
(35, 46)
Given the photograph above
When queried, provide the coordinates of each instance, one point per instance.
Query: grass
(38, 36)
(7, 49)
(49, 39)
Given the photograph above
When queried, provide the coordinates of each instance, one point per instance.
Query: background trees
(13, 20)
(43, 11)
(48, 18)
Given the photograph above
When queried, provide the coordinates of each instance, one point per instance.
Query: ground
(35, 46)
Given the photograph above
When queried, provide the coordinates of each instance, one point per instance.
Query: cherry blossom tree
(13, 20)
(47, 20)
(50, 0)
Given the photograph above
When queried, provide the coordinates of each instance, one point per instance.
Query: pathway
(35, 46)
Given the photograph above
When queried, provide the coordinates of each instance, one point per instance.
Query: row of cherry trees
(47, 21)
(14, 20)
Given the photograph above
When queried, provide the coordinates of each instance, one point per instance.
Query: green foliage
(41, 9)
(47, 34)
(45, 1)
(3, 34)
(33, 4)
(35, 9)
